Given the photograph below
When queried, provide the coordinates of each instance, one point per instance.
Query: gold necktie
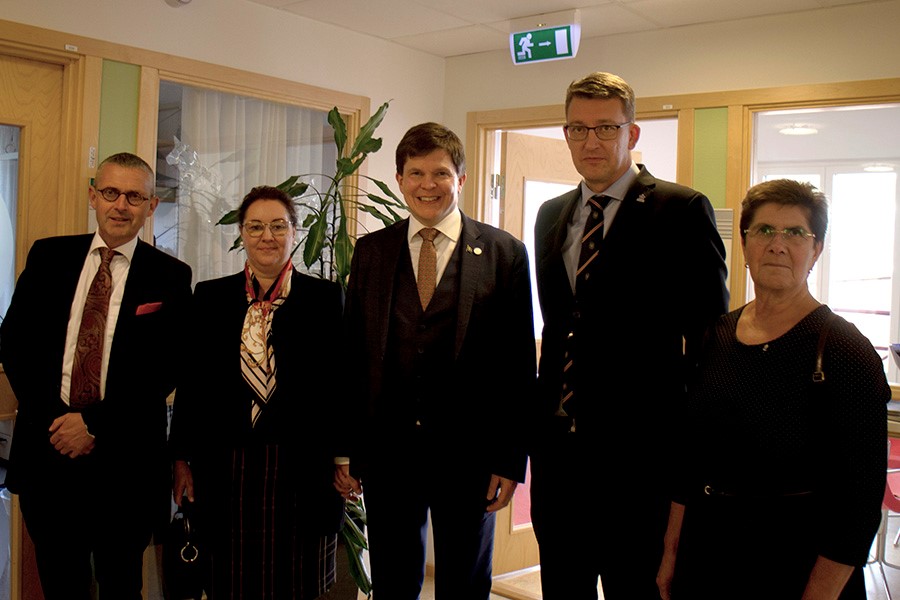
(427, 279)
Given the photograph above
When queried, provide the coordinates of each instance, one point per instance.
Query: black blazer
(659, 280)
(130, 422)
(493, 368)
(212, 403)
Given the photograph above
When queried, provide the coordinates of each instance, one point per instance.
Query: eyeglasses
(579, 133)
(767, 233)
(111, 194)
(256, 228)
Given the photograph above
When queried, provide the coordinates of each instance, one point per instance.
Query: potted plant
(327, 251)
(327, 242)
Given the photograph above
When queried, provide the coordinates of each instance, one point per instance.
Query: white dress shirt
(571, 249)
(450, 229)
(120, 265)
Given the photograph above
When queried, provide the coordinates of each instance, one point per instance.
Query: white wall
(252, 37)
(836, 44)
(845, 43)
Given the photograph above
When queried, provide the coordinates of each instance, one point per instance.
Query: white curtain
(9, 175)
(230, 144)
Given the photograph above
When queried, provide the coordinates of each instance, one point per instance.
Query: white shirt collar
(450, 226)
(126, 249)
(617, 189)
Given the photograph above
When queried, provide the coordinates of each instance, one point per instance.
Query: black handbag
(185, 560)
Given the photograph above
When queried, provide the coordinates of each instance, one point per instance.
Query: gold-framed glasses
(791, 235)
(111, 194)
(579, 133)
(255, 229)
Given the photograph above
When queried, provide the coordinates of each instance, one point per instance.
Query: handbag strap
(818, 375)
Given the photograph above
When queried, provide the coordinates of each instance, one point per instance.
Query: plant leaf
(297, 190)
(315, 241)
(229, 218)
(336, 120)
(355, 543)
(364, 139)
(384, 201)
(372, 210)
(387, 191)
(287, 183)
(343, 250)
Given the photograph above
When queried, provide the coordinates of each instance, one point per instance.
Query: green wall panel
(711, 153)
(119, 100)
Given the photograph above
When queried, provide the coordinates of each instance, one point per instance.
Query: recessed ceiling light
(878, 168)
(798, 129)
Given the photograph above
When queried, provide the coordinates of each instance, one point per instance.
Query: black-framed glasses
(278, 228)
(767, 233)
(111, 194)
(579, 133)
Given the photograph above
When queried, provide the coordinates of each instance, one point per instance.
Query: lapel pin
(642, 197)
(477, 251)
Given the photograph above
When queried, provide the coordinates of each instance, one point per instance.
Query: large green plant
(327, 242)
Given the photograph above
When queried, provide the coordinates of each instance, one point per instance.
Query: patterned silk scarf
(257, 355)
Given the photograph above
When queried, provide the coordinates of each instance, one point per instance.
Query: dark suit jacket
(212, 404)
(493, 366)
(130, 422)
(659, 279)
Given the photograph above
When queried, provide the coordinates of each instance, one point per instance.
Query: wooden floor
(526, 585)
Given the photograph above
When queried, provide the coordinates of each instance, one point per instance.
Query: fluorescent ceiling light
(878, 168)
(798, 129)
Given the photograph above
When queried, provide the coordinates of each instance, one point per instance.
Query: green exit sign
(550, 43)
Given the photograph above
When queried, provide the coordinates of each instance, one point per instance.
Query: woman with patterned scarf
(256, 398)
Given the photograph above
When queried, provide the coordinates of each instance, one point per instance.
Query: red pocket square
(146, 309)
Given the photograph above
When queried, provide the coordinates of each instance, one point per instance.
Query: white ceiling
(448, 28)
(456, 27)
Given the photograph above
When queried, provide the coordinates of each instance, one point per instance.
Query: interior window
(212, 148)
(851, 155)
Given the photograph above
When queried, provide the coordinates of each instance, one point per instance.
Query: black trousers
(593, 522)
(80, 514)
(399, 492)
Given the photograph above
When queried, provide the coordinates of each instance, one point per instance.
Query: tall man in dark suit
(445, 371)
(88, 462)
(623, 313)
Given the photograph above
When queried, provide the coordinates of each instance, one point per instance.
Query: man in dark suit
(89, 466)
(444, 380)
(623, 313)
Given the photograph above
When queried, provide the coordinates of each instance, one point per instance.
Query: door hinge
(496, 186)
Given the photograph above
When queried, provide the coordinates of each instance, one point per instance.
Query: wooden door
(32, 100)
(533, 169)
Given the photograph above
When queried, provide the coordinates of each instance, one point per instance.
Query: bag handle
(818, 375)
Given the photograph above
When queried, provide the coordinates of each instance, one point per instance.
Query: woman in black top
(782, 477)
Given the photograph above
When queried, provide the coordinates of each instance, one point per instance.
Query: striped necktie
(592, 237)
(591, 240)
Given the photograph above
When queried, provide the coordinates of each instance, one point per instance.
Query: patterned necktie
(89, 347)
(592, 237)
(427, 279)
(590, 249)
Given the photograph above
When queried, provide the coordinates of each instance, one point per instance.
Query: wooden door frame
(740, 104)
